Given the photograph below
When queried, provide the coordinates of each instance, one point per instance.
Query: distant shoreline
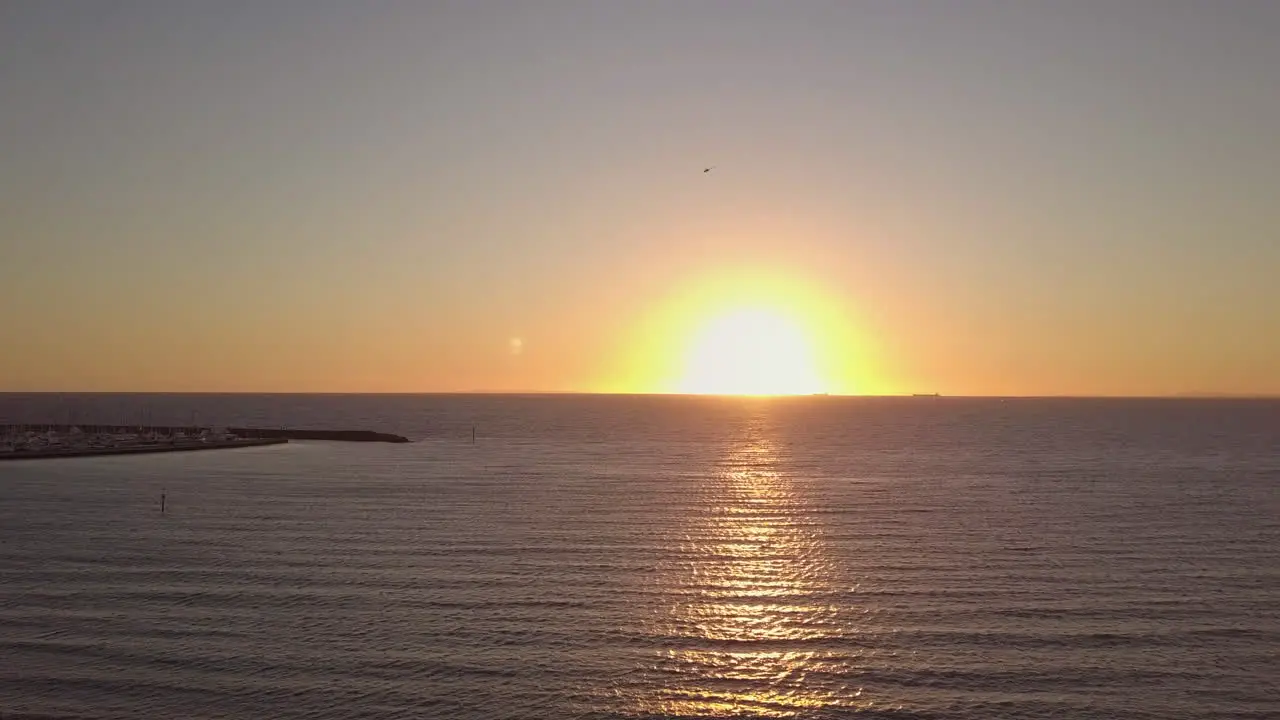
(75, 452)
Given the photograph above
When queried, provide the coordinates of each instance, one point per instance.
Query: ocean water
(615, 557)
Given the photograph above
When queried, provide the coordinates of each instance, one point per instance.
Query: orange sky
(383, 199)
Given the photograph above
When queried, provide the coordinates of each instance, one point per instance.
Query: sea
(632, 557)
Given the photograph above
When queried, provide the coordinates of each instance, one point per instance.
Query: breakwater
(337, 435)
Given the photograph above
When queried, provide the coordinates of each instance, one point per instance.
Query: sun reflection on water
(757, 628)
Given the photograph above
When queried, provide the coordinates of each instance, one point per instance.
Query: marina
(31, 442)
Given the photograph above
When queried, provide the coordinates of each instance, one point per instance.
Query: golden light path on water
(758, 614)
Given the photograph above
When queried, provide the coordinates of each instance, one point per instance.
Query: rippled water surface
(611, 557)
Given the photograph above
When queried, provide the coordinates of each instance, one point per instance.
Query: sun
(751, 351)
(746, 330)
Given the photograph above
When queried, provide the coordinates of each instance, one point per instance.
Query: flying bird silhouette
(707, 170)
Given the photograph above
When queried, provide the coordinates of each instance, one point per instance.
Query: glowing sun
(751, 351)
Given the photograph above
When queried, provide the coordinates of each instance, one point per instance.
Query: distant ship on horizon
(925, 395)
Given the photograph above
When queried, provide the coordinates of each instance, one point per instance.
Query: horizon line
(929, 396)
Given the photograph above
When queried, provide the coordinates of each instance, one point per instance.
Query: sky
(980, 197)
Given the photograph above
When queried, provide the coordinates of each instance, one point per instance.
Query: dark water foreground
(659, 557)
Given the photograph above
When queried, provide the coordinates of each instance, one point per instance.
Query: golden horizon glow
(751, 351)
(749, 332)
